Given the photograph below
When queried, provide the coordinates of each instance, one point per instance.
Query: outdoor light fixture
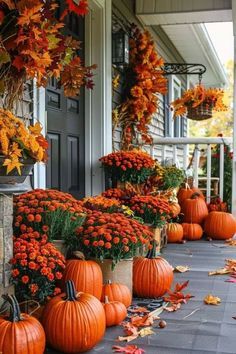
(120, 48)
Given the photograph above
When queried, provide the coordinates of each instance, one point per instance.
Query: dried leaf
(146, 332)
(173, 307)
(139, 310)
(181, 269)
(231, 280)
(130, 329)
(128, 349)
(234, 317)
(212, 300)
(219, 271)
(177, 296)
(127, 338)
(231, 242)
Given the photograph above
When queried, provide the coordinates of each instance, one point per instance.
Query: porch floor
(211, 329)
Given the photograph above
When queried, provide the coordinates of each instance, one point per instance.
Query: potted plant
(128, 166)
(20, 148)
(112, 240)
(154, 210)
(198, 102)
(102, 203)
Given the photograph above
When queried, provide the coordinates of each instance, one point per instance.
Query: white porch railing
(198, 145)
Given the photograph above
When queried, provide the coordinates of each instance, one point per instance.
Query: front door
(65, 130)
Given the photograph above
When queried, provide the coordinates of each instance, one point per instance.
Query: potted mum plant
(128, 166)
(112, 240)
(199, 102)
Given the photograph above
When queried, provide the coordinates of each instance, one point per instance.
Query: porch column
(234, 115)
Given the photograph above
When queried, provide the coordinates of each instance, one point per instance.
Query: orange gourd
(192, 232)
(220, 225)
(175, 209)
(194, 209)
(152, 275)
(117, 292)
(75, 322)
(174, 232)
(186, 192)
(87, 276)
(20, 333)
(115, 312)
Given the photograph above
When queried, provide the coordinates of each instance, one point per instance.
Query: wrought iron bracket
(184, 69)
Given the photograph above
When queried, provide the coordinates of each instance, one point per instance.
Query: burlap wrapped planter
(122, 273)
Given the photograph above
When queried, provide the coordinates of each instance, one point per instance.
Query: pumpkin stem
(106, 301)
(109, 281)
(152, 252)
(70, 291)
(15, 315)
(195, 195)
(79, 255)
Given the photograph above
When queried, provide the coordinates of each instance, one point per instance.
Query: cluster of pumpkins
(76, 320)
(197, 219)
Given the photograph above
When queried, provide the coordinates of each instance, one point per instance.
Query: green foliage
(131, 175)
(172, 177)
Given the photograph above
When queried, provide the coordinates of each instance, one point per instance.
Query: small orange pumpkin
(87, 275)
(186, 192)
(194, 209)
(192, 232)
(115, 312)
(117, 292)
(175, 209)
(174, 232)
(20, 333)
(152, 275)
(220, 225)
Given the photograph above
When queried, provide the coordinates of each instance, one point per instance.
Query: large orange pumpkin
(186, 192)
(73, 323)
(152, 275)
(220, 225)
(87, 276)
(192, 232)
(175, 209)
(117, 292)
(115, 312)
(194, 209)
(174, 232)
(20, 333)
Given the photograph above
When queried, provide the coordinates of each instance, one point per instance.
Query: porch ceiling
(159, 12)
(195, 46)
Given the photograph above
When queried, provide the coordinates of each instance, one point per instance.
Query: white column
(234, 114)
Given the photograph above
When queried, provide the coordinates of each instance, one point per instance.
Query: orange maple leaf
(36, 129)
(30, 15)
(11, 164)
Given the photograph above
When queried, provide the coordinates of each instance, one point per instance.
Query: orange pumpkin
(220, 225)
(20, 333)
(175, 209)
(117, 292)
(152, 275)
(174, 232)
(73, 323)
(115, 312)
(194, 209)
(86, 275)
(186, 192)
(192, 232)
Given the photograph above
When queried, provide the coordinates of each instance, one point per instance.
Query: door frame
(98, 102)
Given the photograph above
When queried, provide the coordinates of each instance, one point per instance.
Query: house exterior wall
(162, 123)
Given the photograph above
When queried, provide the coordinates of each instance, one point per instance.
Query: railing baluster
(222, 152)
(163, 153)
(196, 164)
(152, 151)
(174, 154)
(208, 193)
(185, 158)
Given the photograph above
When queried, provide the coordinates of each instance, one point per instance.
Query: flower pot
(60, 245)
(122, 273)
(13, 177)
(201, 112)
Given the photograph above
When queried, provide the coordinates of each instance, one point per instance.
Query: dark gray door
(65, 130)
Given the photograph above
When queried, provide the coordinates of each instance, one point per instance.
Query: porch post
(234, 116)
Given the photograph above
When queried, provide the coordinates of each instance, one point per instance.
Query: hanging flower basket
(201, 112)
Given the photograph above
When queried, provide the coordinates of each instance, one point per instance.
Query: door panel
(65, 130)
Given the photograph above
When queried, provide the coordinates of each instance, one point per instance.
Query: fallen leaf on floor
(219, 271)
(146, 332)
(234, 317)
(139, 310)
(139, 321)
(130, 329)
(181, 269)
(231, 280)
(127, 338)
(173, 308)
(231, 242)
(177, 296)
(128, 349)
(212, 300)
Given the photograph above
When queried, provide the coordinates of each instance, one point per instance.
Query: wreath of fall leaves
(33, 45)
(144, 78)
